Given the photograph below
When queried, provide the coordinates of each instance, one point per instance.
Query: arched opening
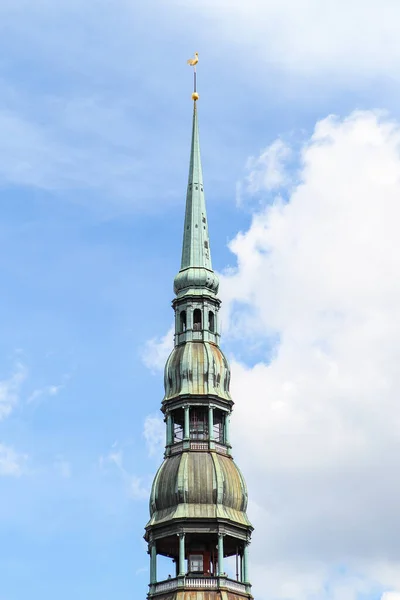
(211, 321)
(177, 433)
(182, 321)
(198, 424)
(197, 319)
(218, 432)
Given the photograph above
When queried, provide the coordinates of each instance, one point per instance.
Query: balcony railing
(199, 583)
(197, 445)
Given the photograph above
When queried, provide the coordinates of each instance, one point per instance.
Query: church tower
(199, 497)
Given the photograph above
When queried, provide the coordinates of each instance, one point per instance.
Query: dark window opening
(211, 321)
(218, 431)
(198, 424)
(197, 319)
(182, 324)
(205, 244)
(177, 425)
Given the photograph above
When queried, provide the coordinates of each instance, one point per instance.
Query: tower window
(197, 319)
(198, 424)
(182, 321)
(178, 432)
(218, 427)
(177, 420)
(211, 321)
(196, 563)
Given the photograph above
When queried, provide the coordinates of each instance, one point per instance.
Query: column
(186, 428)
(220, 554)
(211, 422)
(182, 554)
(246, 564)
(227, 432)
(169, 429)
(153, 563)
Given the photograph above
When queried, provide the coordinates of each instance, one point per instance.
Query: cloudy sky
(300, 134)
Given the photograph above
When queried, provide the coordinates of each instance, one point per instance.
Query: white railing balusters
(200, 583)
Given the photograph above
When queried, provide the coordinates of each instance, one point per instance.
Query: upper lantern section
(196, 275)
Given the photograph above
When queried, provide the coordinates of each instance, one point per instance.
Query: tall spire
(198, 500)
(196, 269)
(196, 244)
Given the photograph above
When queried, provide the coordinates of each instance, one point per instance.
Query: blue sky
(95, 119)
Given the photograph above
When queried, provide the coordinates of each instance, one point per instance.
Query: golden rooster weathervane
(193, 62)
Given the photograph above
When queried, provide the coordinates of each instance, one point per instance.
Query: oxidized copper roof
(196, 269)
(198, 485)
(198, 368)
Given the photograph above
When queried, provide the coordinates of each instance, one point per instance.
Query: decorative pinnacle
(192, 62)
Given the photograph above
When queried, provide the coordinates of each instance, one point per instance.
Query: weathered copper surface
(198, 485)
(198, 368)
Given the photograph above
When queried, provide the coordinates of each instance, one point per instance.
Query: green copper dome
(196, 280)
(200, 485)
(198, 368)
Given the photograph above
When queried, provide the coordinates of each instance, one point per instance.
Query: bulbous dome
(198, 368)
(193, 278)
(198, 485)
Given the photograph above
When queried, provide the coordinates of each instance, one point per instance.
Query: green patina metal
(197, 368)
(196, 243)
(203, 483)
(196, 275)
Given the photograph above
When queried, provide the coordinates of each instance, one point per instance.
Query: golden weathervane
(193, 62)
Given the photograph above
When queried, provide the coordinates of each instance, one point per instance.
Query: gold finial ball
(195, 96)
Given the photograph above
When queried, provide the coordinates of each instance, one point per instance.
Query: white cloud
(268, 171)
(137, 489)
(11, 463)
(48, 390)
(317, 430)
(157, 350)
(345, 37)
(47, 156)
(391, 596)
(154, 434)
(10, 390)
